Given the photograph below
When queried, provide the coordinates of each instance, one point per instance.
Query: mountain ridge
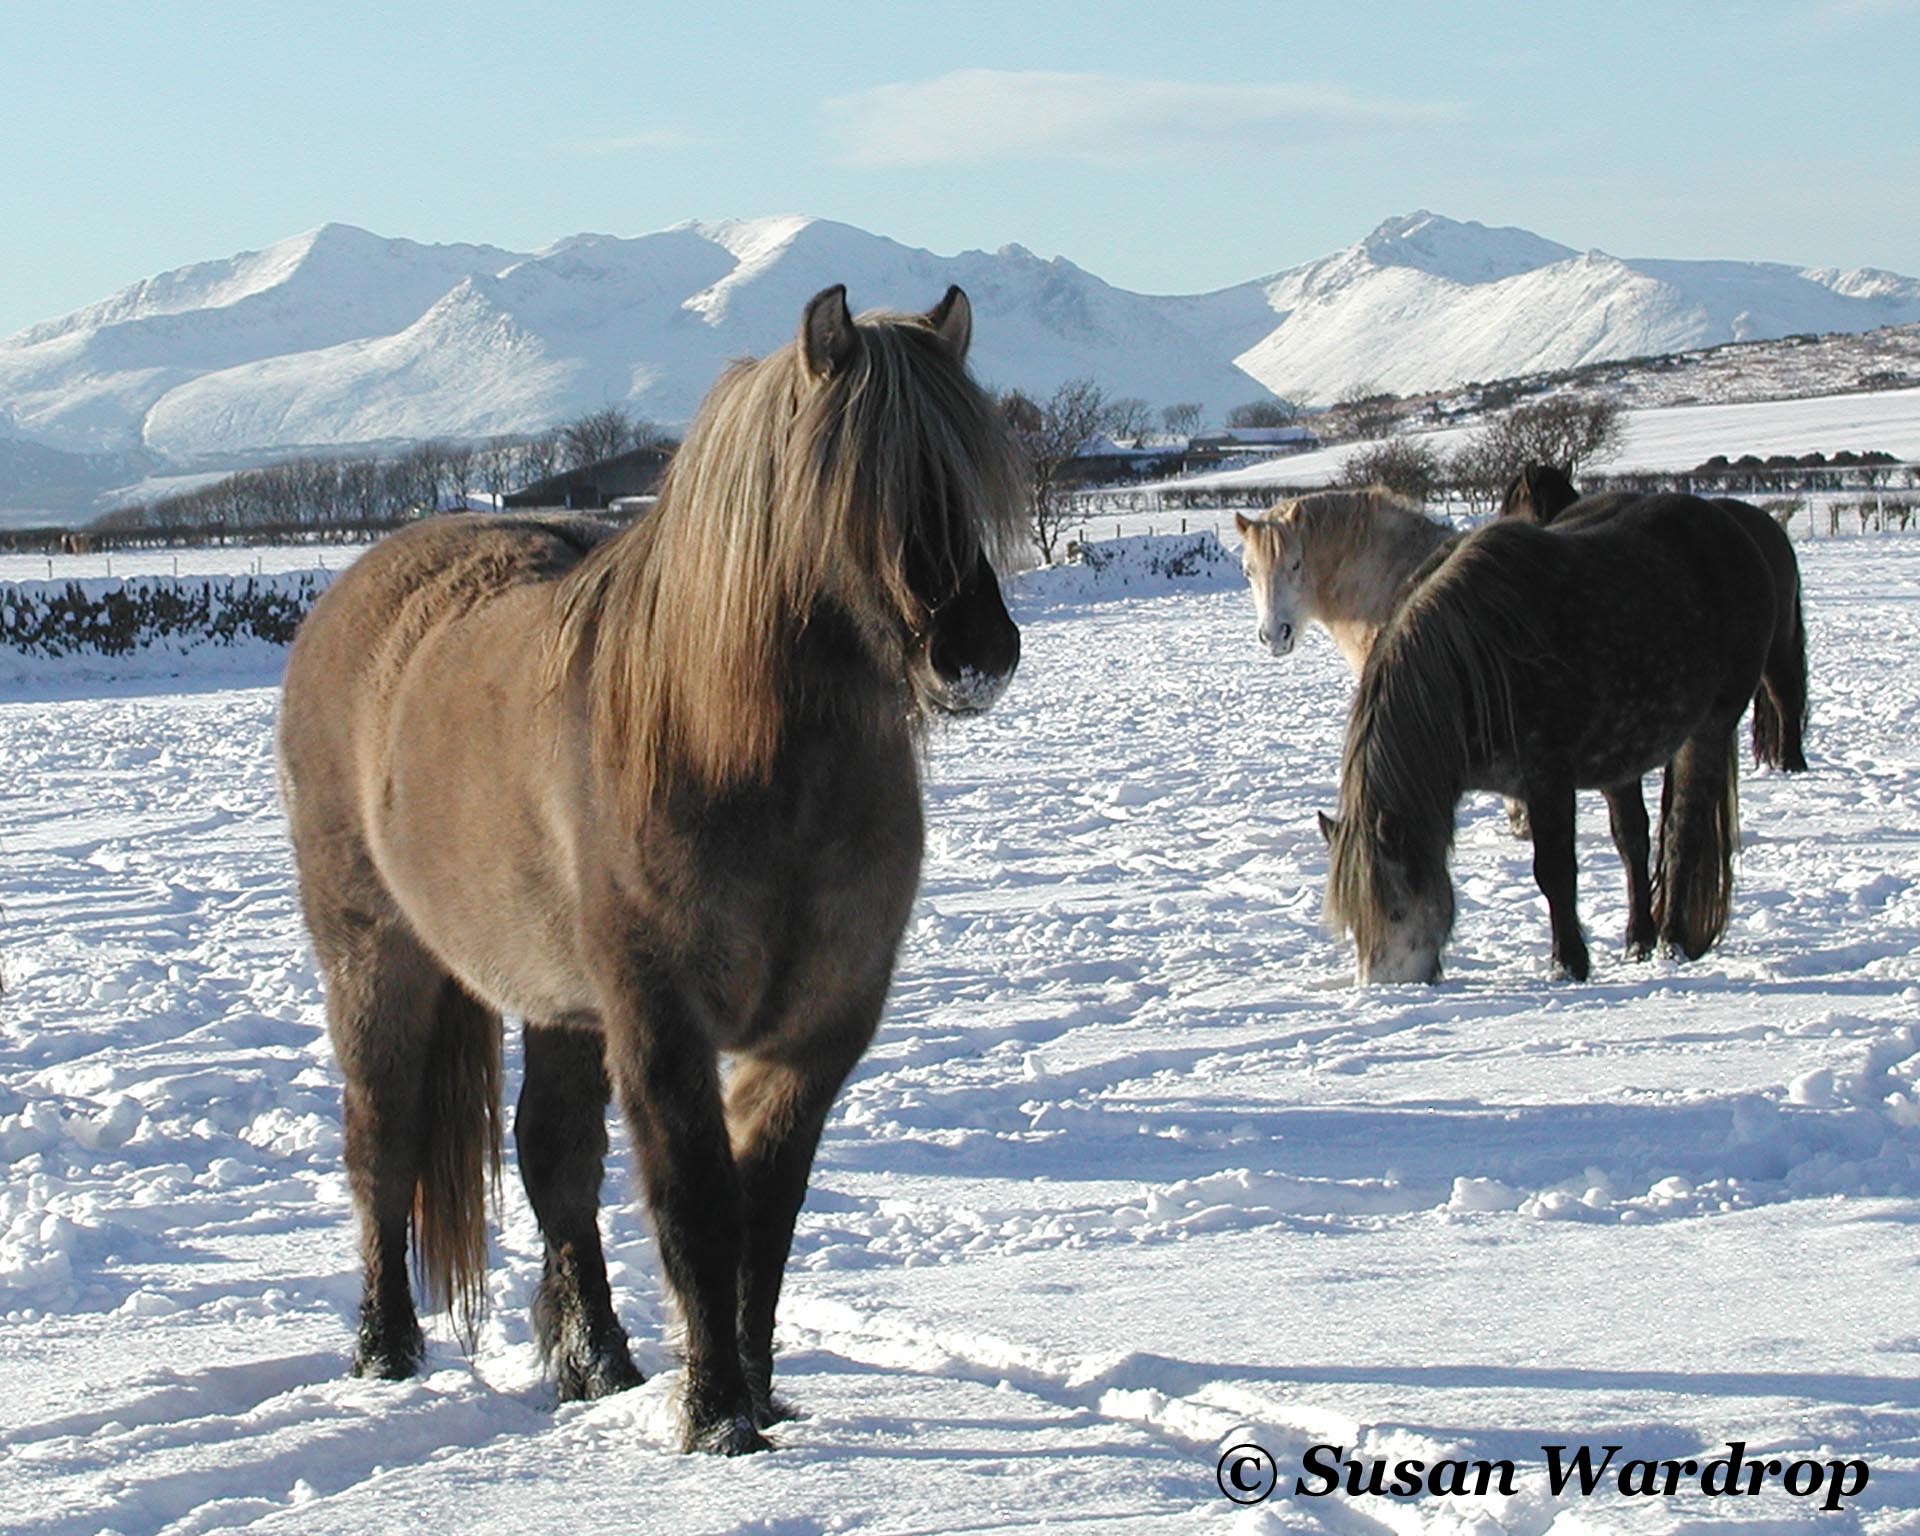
(339, 336)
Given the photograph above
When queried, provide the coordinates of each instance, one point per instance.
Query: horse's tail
(1780, 707)
(460, 1158)
(1693, 885)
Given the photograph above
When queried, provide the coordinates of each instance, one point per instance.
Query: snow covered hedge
(114, 617)
(162, 625)
(1144, 565)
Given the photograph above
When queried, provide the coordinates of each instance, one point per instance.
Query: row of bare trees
(1564, 430)
(333, 492)
(1049, 433)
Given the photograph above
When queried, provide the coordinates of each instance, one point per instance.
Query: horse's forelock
(911, 459)
(1268, 537)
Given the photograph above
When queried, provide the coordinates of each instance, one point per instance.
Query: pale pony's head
(1273, 559)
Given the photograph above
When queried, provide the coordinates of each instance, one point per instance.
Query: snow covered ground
(1131, 1175)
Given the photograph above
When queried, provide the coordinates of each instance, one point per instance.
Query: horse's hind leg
(1627, 814)
(1780, 707)
(560, 1133)
(1555, 872)
(1699, 831)
(775, 1112)
(1517, 819)
(381, 994)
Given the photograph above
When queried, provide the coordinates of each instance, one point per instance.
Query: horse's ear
(1328, 826)
(1242, 523)
(828, 340)
(952, 317)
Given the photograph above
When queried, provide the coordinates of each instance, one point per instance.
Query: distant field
(1675, 437)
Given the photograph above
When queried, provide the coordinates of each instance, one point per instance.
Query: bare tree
(1363, 410)
(1405, 465)
(1563, 430)
(360, 490)
(597, 435)
(1275, 412)
(499, 465)
(1128, 417)
(1181, 420)
(1478, 471)
(1049, 433)
(461, 460)
(417, 479)
(541, 454)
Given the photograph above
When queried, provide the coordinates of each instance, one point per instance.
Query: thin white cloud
(989, 114)
(639, 142)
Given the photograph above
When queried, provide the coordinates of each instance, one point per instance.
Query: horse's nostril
(1286, 633)
(1266, 638)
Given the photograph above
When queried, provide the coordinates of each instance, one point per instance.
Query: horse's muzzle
(1277, 638)
(970, 692)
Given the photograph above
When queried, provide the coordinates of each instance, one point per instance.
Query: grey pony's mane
(1436, 696)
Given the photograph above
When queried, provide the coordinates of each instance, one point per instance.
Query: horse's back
(1693, 574)
(1773, 541)
(1624, 625)
(415, 578)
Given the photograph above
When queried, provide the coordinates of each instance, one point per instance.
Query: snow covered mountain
(339, 336)
(1426, 302)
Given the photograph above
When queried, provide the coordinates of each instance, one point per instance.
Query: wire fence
(1884, 499)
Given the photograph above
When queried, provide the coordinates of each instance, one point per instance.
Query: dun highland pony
(656, 794)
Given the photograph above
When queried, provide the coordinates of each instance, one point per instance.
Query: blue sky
(1167, 149)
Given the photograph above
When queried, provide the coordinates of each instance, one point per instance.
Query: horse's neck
(1358, 590)
(1355, 638)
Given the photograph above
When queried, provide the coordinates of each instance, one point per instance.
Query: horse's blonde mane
(1339, 523)
(791, 490)
(1436, 694)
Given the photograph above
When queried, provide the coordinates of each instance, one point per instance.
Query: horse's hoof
(1639, 949)
(380, 1355)
(601, 1377)
(387, 1364)
(734, 1435)
(771, 1410)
